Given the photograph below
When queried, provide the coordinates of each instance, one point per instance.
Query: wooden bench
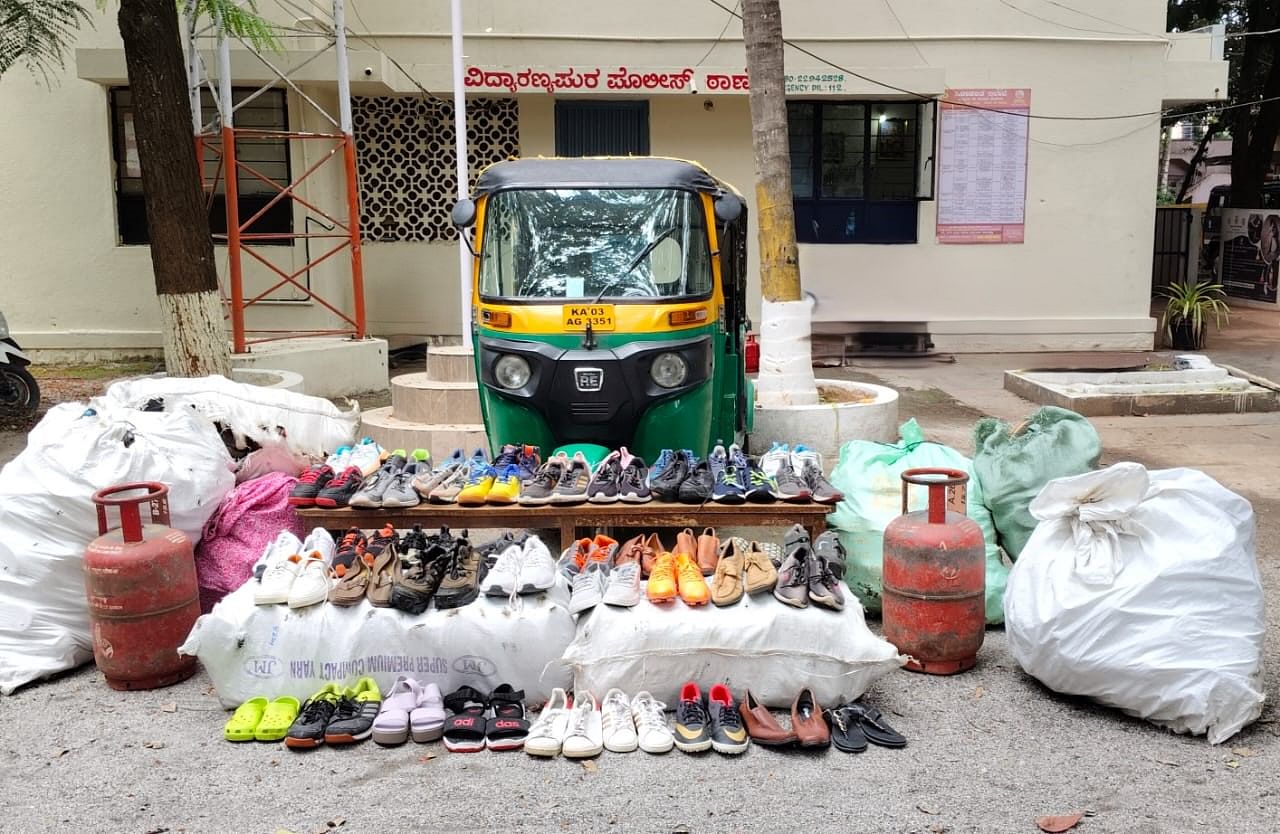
(569, 518)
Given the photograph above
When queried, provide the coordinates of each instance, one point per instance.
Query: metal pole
(193, 68)
(349, 163)
(231, 176)
(460, 129)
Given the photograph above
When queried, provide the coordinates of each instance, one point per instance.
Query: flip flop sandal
(244, 721)
(465, 731)
(277, 719)
(381, 581)
(874, 726)
(351, 589)
(508, 729)
(846, 731)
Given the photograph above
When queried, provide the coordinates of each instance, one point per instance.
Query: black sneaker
(378, 541)
(665, 485)
(760, 487)
(338, 492)
(416, 575)
(353, 720)
(539, 489)
(831, 551)
(348, 552)
(696, 488)
(603, 488)
(790, 486)
(309, 485)
(308, 728)
(692, 735)
(633, 483)
(460, 584)
(728, 736)
(574, 480)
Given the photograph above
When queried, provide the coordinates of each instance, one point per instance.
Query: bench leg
(568, 533)
(817, 527)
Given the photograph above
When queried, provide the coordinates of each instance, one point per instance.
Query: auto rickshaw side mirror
(728, 208)
(464, 212)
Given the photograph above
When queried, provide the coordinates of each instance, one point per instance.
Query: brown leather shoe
(727, 586)
(649, 553)
(686, 543)
(708, 551)
(761, 725)
(807, 721)
(759, 572)
(632, 550)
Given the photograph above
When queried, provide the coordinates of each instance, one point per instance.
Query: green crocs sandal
(277, 719)
(244, 721)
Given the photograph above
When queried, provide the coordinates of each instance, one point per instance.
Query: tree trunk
(1189, 180)
(177, 221)
(1253, 139)
(786, 356)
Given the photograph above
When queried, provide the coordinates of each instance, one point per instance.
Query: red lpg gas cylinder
(935, 579)
(143, 597)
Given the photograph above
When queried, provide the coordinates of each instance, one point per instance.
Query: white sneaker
(651, 724)
(546, 734)
(618, 727)
(340, 459)
(771, 461)
(537, 569)
(366, 455)
(624, 585)
(585, 736)
(312, 584)
(320, 543)
(588, 589)
(277, 581)
(501, 579)
(802, 455)
(281, 547)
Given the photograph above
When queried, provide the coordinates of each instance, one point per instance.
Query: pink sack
(246, 521)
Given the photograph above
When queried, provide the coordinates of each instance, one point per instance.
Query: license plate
(599, 316)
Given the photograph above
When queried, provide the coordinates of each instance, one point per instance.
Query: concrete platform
(330, 366)
(420, 399)
(1120, 393)
(440, 439)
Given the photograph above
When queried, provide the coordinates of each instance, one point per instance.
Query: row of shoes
(352, 471)
(579, 728)
(849, 726)
(729, 476)
(466, 719)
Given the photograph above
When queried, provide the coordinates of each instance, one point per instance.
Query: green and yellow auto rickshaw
(609, 304)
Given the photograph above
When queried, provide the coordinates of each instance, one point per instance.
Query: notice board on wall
(1249, 261)
(982, 165)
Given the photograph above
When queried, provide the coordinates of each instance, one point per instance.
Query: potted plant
(1188, 308)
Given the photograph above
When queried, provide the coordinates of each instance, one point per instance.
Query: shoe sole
(456, 601)
(629, 602)
(471, 502)
(658, 751)
(582, 754)
(793, 603)
(399, 505)
(301, 502)
(464, 746)
(277, 599)
(526, 501)
(696, 747)
(542, 752)
(424, 736)
(501, 502)
(730, 749)
(302, 743)
(694, 604)
(727, 603)
(579, 609)
(622, 748)
(635, 499)
(568, 499)
(535, 589)
(602, 499)
(505, 745)
(729, 499)
(653, 598)
(389, 739)
(365, 503)
(496, 591)
(348, 738)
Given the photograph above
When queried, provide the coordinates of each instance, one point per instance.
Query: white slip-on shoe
(319, 541)
(546, 735)
(281, 547)
(623, 588)
(501, 579)
(277, 581)
(587, 589)
(585, 736)
(617, 725)
(538, 568)
(426, 720)
(312, 584)
(651, 724)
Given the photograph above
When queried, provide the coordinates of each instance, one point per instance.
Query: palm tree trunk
(195, 341)
(786, 357)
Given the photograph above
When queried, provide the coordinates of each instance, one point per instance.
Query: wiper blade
(649, 247)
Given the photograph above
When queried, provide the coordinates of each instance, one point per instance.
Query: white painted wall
(1080, 281)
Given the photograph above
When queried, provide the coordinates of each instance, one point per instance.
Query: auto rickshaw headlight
(669, 370)
(511, 371)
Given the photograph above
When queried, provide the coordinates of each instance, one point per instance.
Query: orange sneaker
(606, 547)
(693, 588)
(662, 580)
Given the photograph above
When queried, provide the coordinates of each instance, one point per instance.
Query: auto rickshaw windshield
(624, 244)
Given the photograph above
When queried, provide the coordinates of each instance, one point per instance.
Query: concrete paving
(990, 750)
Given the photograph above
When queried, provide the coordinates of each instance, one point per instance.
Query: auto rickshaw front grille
(589, 409)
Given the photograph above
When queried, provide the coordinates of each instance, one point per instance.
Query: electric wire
(888, 4)
(719, 37)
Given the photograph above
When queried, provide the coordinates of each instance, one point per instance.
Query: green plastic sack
(1014, 465)
(869, 475)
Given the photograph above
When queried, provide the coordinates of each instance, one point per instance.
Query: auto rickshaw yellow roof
(599, 172)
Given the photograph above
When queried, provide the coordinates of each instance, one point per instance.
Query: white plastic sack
(1141, 590)
(47, 519)
(311, 426)
(273, 650)
(759, 643)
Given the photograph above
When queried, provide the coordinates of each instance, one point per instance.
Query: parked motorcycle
(19, 392)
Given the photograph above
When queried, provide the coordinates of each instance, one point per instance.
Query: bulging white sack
(1141, 590)
(273, 650)
(47, 518)
(760, 643)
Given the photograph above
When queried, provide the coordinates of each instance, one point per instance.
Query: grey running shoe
(790, 486)
(793, 578)
(820, 488)
(400, 492)
(633, 483)
(603, 488)
(824, 587)
(572, 487)
(371, 491)
(539, 489)
(429, 479)
(829, 549)
(447, 491)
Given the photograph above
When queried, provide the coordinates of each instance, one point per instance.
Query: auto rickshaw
(609, 299)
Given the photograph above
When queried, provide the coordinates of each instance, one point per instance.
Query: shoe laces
(728, 475)
(349, 540)
(478, 472)
(581, 714)
(314, 710)
(759, 478)
(313, 475)
(650, 714)
(585, 579)
(799, 576)
(729, 717)
(691, 711)
(616, 711)
(625, 573)
(348, 707)
(689, 571)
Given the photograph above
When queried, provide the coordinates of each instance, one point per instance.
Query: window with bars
(269, 156)
(856, 169)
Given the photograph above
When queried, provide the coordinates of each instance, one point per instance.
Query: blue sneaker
(760, 487)
(731, 478)
(664, 460)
